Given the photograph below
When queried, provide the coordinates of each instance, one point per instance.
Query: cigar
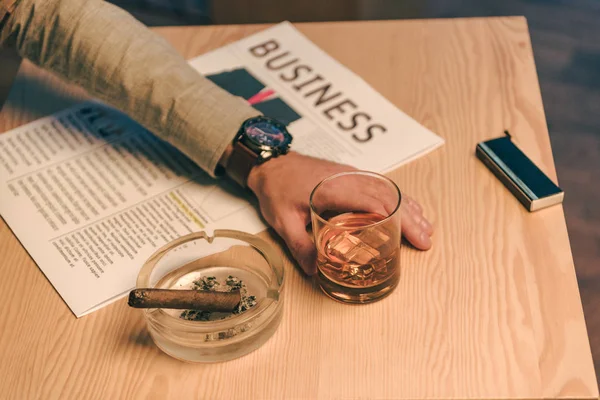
(184, 299)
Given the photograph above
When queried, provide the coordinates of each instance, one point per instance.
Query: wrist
(259, 173)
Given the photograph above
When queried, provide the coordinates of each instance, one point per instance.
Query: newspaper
(91, 194)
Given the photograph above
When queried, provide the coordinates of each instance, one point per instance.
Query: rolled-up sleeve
(118, 60)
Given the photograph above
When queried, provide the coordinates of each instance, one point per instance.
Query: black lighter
(518, 173)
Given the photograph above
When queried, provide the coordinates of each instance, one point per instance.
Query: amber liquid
(358, 264)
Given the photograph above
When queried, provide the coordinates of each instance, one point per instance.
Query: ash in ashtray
(210, 283)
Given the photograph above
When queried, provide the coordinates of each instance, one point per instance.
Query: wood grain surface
(492, 311)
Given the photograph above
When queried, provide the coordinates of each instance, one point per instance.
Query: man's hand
(283, 186)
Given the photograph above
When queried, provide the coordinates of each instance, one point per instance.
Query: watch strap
(240, 162)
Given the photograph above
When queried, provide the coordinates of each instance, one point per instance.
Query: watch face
(267, 133)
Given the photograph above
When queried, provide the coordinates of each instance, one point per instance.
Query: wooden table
(493, 311)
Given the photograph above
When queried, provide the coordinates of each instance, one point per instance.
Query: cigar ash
(211, 283)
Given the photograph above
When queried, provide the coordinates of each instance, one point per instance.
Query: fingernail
(425, 239)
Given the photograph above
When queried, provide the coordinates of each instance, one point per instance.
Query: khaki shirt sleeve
(118, 60)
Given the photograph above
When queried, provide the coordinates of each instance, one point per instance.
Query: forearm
(118, 60)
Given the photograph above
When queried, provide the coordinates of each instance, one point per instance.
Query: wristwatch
(258, 140)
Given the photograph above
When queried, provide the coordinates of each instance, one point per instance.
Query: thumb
(300, 244)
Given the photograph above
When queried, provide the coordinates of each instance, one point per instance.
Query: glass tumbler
(356, 227)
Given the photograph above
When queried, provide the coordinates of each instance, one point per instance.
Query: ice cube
(341, 244)
(375, 238)
(349, 248)
(357, 274)
(362, 254)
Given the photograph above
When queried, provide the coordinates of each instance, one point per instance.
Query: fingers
(415, 227)
(416, 212)
(346, 199)
(301, 246)
(410, 202)
(356, 193)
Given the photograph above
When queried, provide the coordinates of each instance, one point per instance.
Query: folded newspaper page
(91, 194)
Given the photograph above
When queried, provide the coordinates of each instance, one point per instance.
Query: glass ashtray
(200, 261)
